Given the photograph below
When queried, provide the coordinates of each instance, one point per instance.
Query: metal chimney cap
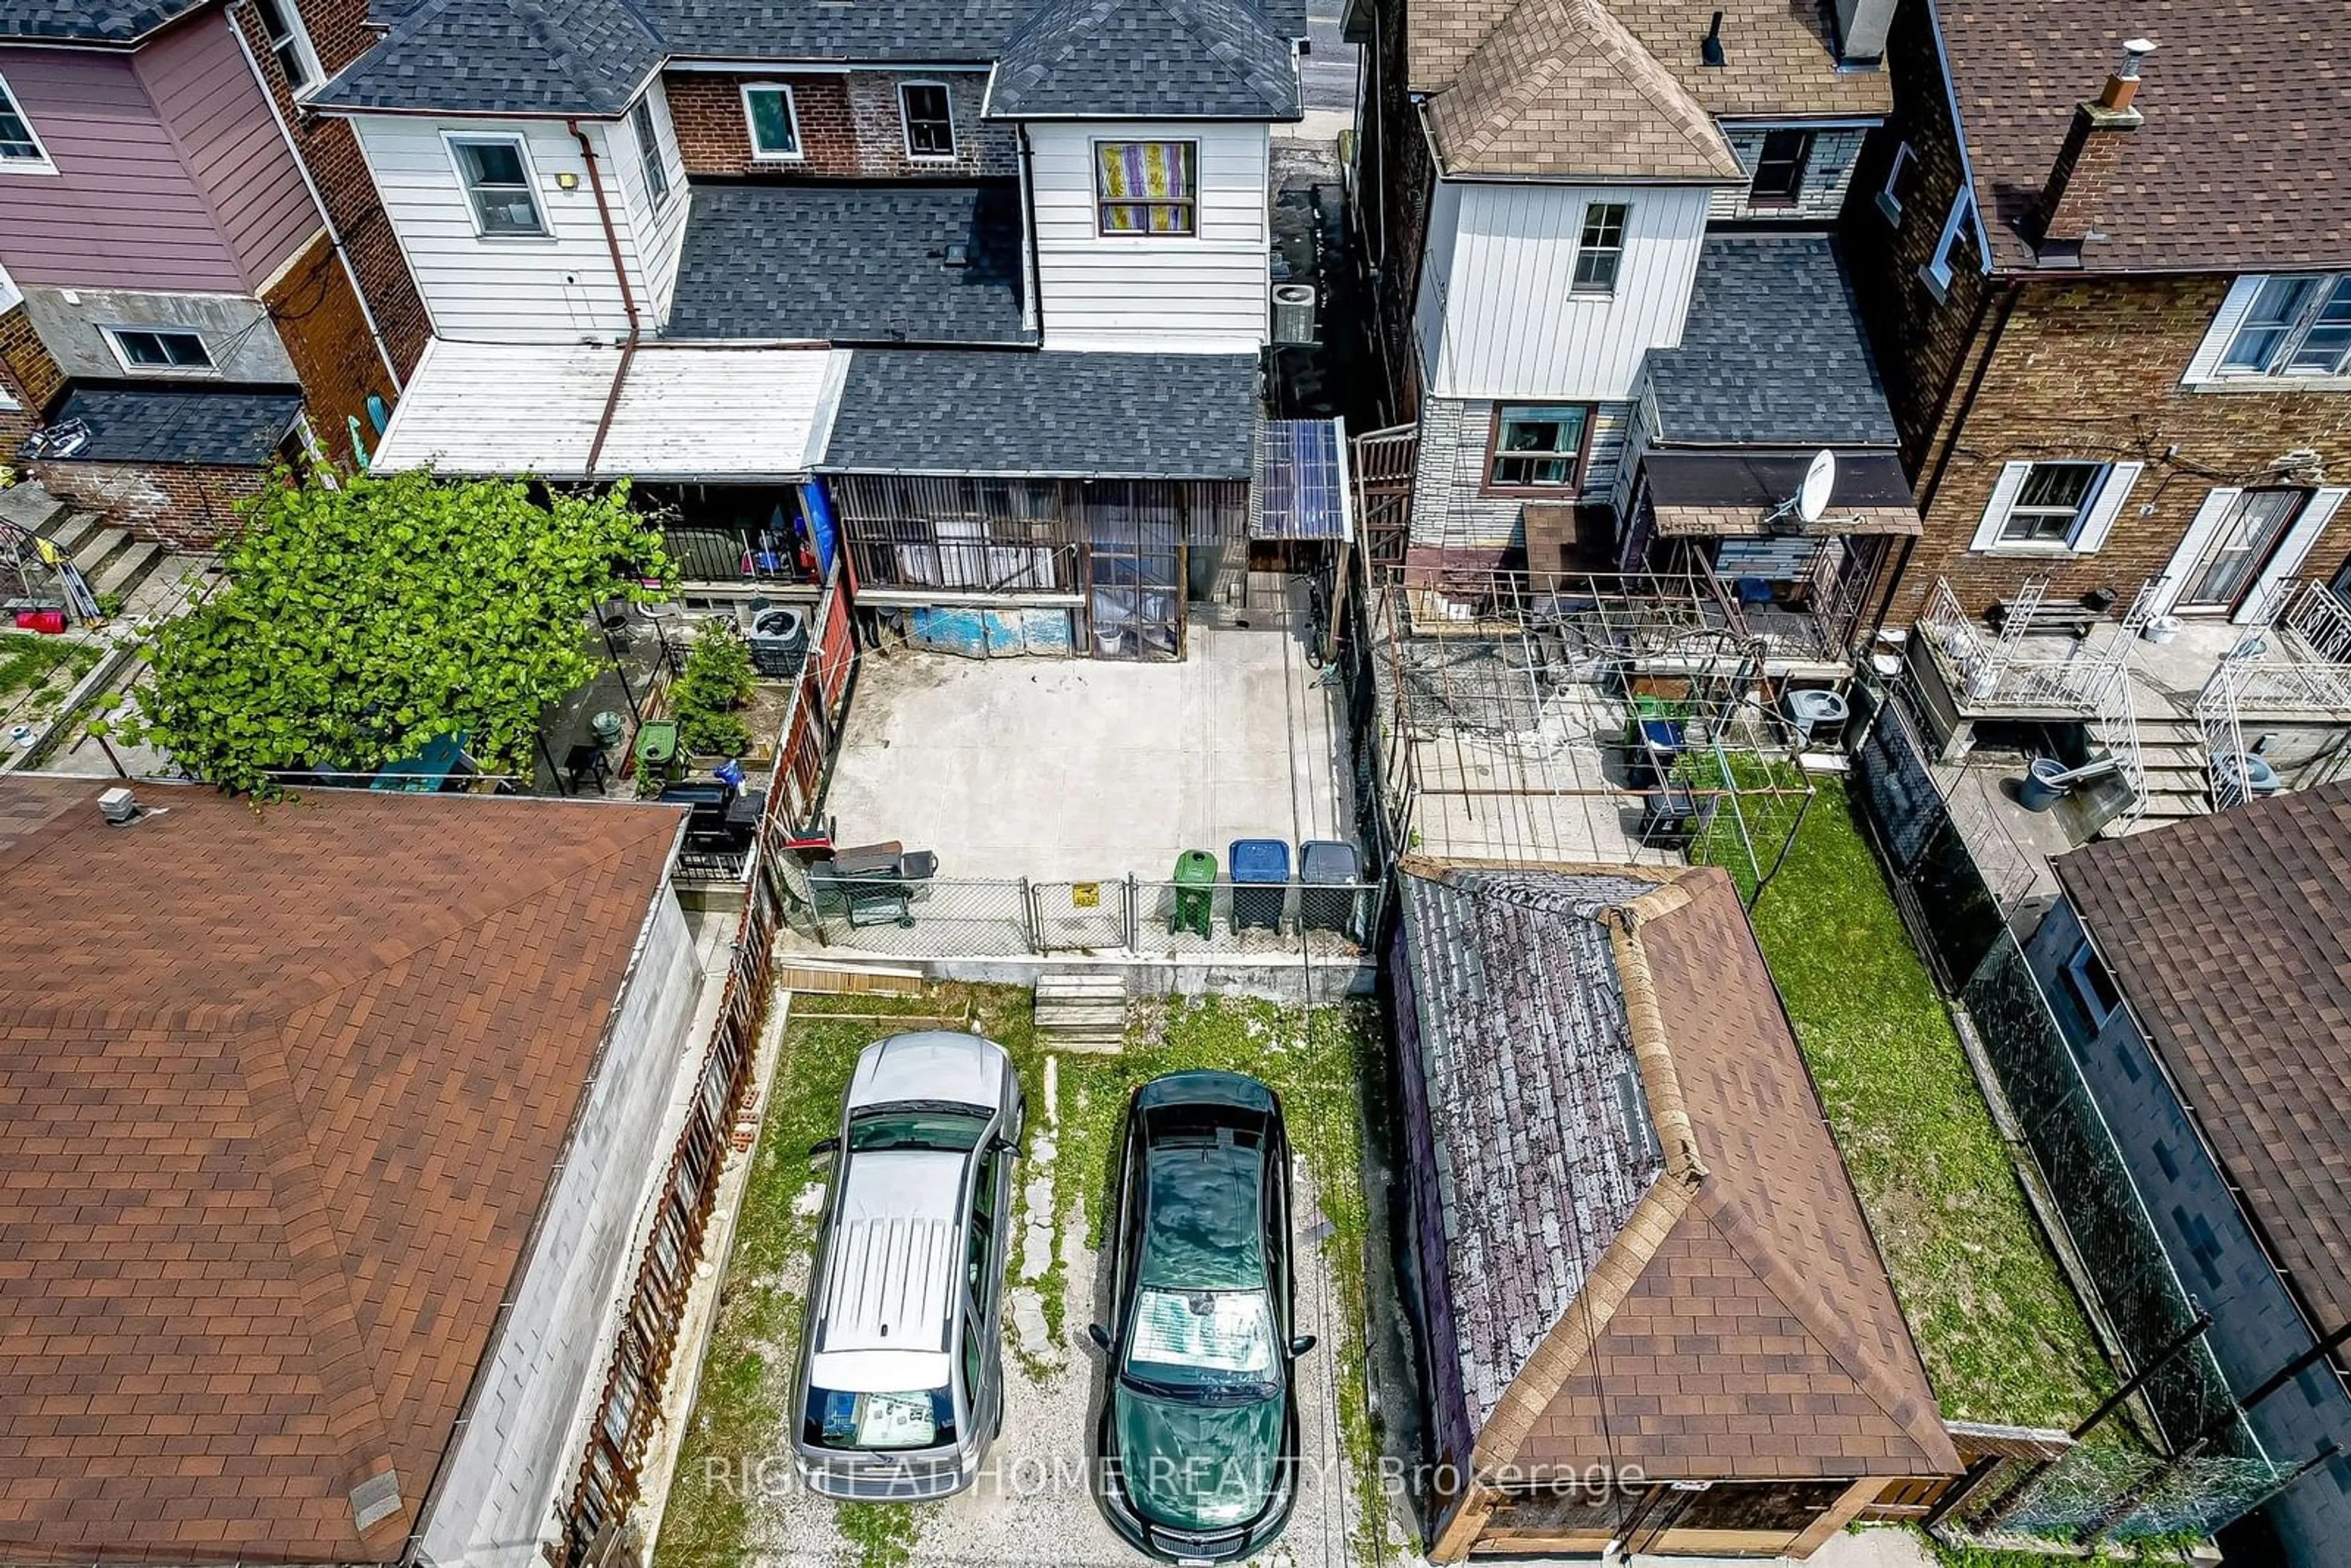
(2134, 51)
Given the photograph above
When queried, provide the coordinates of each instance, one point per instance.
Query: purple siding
(201, 200)
(203, 87)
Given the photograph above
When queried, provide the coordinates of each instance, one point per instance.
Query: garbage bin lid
(1196, 865)
(1326, 860)
(1259, 859)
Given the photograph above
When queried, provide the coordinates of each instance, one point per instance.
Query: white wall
(652, 236)
(1501, 323)
(1204, 294)
(520, 1452)
(555, 288)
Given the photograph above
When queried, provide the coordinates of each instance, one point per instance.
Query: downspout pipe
(628, 297)
(1028, 228)
(319, 201)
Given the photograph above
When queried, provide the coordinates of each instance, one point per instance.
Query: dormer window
(774, 121)
(496, 175)
(1779, 179)
(1146, 187)
(928, 121)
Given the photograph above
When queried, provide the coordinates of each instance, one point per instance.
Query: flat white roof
(682, 413)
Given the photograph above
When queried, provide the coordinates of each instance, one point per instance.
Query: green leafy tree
(358, 624)
(717, 679)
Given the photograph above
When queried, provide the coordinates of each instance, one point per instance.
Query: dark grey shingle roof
(1774, 351)
(174, 424)
(505, 56)
(85, 21)
(924, 30)
(1145, 58)
(1143, 416)
(850, 264)
(1523, 1039)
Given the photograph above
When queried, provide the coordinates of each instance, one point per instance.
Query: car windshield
(1216, 1340)
(949, 1132)
(918, 1418)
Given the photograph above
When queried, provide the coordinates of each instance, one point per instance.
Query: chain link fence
(1126, 917)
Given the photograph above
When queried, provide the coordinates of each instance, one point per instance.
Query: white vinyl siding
(555, 288)
(1201, 293)
(1828, 173)
(1499, 318)
(653, 235)
(2101, 502)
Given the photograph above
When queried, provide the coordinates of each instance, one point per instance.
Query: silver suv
(901, 1385)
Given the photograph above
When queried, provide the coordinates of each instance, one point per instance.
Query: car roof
(889, 1261)
(934, 1065)
(1202, 1210)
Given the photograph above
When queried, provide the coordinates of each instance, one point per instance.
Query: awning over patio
(1301, 482)
(1732, 494)
(586, 411)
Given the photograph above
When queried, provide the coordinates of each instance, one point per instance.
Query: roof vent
(958, 253)
(1709, 49)
(119, 807)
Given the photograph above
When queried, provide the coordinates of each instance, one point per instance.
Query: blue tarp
(992, 633)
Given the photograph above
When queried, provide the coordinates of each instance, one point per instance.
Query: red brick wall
(850, 126)
(2090, 368)
(317, 318)
(331, 152)
(32, 375)
(185, 506)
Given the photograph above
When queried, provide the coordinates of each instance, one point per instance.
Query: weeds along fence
(2098, 1489)
(1133, 917)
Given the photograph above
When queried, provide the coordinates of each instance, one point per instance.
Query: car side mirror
(823, 1149)
(1300, 1346)
(1099, 1334)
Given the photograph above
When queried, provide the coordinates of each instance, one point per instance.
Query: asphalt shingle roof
(503, 57)
(281, 1094)
(2238, 164)
(2230, 936)
(852, 264)
(1757, 1335)
(1193, 57)
(180, 424)
(1146, 57)
(84, 21)
(1774, 351)
(1137, 416)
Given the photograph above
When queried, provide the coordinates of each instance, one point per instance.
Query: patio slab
(1071, 769)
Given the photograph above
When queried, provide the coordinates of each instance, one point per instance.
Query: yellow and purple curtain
(1145, 186)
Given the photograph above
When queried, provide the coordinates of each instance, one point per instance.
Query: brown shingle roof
(281, 1093)
(1740, 1327)
(2240, 162)
(1560, 89)
(2230, 937)
(1579, 88)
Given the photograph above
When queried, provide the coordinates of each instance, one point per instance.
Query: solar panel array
(1301, 482)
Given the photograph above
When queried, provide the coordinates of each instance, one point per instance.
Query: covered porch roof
(1737, 494)
(595, 412)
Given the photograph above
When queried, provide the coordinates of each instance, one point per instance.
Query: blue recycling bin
(1260, 872)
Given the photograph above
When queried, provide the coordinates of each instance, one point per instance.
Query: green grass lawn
(2003, 1337)
(739, 1413)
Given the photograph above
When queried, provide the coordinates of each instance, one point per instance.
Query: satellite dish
(1820, 478)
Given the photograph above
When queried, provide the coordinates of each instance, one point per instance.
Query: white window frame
(2293, 335)
(113, 335)
(1889, 196)
(2101, 504)
(41, 164)
(907, 124)
(1577, 290)
(453, 139)
(653, 167)
(1192, 203)
(1938, 272)
(297, 39)
(798, 153)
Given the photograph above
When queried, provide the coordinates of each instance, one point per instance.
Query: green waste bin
(657, 744)
(1196, 889)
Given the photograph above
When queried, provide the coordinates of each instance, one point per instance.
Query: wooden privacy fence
(630, 1402)
(1383, 461)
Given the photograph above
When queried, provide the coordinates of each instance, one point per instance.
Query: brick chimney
(2072, 200)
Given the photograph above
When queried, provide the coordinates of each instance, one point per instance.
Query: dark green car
(1200, 1430)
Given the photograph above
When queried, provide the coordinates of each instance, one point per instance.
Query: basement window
(159, 348)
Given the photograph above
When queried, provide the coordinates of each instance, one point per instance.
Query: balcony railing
(707, 554)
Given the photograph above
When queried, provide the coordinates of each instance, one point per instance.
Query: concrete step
(74, 530)
(94, 549)
(163, 590)
(31, 508)
(127, 567)
(1081, 1011)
